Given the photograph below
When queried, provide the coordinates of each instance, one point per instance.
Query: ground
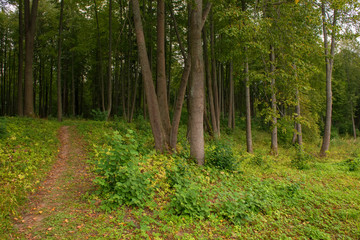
(65, 185)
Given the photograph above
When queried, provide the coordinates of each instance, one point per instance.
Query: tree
(151, 99)
(329, 62)
(30, 27)
(58, 76)
(196, 87)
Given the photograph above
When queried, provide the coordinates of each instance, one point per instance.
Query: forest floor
(266, 197)
(57, 196)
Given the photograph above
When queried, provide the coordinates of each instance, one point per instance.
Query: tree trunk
(161, 70)
(329, 60)
(196, 97)
(274, 138)
(214, 79)
(21, 60)
(30, 27)
(231, 121)
(109, 106)
(102, 88)
(249, 144)
(73, 108)
(209, 86)
(58, 76)
(151, 99)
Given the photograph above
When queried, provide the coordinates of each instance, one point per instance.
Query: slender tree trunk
(21, 62)
(151, 99)
(249, 144)
(161, 69)
(298, 130)
(274, 138)
(100, 59)
(209, 86)
(214, 79)
(30, 27)
(73, 108)
(182, 88)
(133, 102)
(196, 97)
(110, 62)
(329, 60)
(231, 122)
(58, 76)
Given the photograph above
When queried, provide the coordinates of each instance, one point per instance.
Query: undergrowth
(24, 161)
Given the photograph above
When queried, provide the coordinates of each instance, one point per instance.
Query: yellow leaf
(297, 1)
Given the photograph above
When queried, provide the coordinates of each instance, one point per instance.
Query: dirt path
(59, 194)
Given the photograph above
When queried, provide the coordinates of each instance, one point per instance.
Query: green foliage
(220, 155)
(190, 200)
(26, 154)
(353, 164)
(98, 115)
(285, 131)
(260, 160)
(122, 178)
(302, 159)
(3, 131)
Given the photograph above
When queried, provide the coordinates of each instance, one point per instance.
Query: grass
(266, 197)
(24, 162)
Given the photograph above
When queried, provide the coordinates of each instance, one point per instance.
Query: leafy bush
(353, 164)
(190, 200)
(260, 160)
(99, 115)
(302, 159)
(233, 208)
(3, 131)
(122, 179)
(286, 131)
(220, 155)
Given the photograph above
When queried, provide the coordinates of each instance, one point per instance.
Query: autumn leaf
(297, 1)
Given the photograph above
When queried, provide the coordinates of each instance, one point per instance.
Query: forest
(170, 119)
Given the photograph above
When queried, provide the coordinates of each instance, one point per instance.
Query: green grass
(266, 197)
(27, 151)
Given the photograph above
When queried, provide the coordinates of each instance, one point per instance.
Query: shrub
(99, 115)
(286, 131)
(260, 160)
(220, 155)
(353, 164)
(302, 159)
(189, 200)
(3, 131)
(122, 180)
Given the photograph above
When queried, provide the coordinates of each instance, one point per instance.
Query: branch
(205, 14)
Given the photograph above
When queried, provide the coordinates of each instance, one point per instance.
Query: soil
(68, 180)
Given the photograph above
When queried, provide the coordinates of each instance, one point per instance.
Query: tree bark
(214, 77)
(100, 59)
(21, 62)
(231, 121)
(249, 144)
(209, 86)
(59, 100)
(274, 138)
(196, 96)
(329, 60)
(109, 106)
(151, 99)
(30, 27)
(161, 70)
(73, 108)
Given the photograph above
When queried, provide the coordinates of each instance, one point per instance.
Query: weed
(302, 159)
(99, 115)
(122, 179)
(220, 155)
